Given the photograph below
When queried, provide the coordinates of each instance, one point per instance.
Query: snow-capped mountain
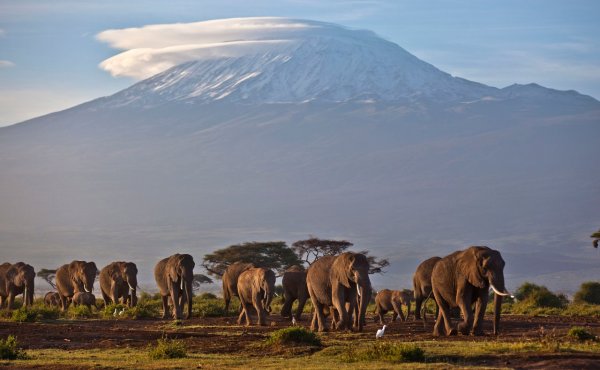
(268, 128)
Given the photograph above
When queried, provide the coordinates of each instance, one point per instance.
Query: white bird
(380, 332)
(293, 321)
(115, 313)
(122, 310)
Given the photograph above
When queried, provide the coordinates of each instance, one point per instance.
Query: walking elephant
(118, 281)
(294, 288)
(77, 276)
(16, 279)
(174, 276)
(256, 287)
(422, 285)
(84, 299)
(392, 300)
(52, 299)
(230, 279)
(462, 279)
(336, 281)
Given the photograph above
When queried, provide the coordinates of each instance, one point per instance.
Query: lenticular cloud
(152, 49)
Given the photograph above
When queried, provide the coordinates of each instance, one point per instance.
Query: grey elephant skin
(84, 299)
(336, 281)
(392, 300)
(462, 279)
(77, 276)
(118, 282)
(256, 287)
(52, 299)
(15, 279)
(294, 288)
(422, 285)
(230, 279)
(174, 276)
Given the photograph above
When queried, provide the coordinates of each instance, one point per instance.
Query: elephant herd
(338, 286)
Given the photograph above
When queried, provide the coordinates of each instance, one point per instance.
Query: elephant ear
(468, 264)
(172, 266)
(342, 269)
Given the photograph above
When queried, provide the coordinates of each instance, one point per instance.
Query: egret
(380, 332)
(293, 321)
(121, 313)
(115, 313)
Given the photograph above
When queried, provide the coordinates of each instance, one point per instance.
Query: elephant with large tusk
(338, 281)
(77, 276)
(16, 279)
(463, 278)
(174, 276)
(118, 281)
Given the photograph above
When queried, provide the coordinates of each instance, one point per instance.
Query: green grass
(579, 333)
(294, 336)
(384, 351)
(9, 349)
(167, 349)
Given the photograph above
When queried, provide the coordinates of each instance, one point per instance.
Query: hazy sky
(49, 54)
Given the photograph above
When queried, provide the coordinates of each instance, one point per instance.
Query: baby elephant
(52, 299)
(84, 298)
(392, 300)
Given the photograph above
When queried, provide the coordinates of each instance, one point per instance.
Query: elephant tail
(424, 307)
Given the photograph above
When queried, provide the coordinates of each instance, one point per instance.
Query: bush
(9, 349)
(80, 312)
(580, 333)
(294, 336)
(589, 292)
(23, 315)
(385, 351)
(167, 348)
(207, 295)
(531, 295)
(208, 308)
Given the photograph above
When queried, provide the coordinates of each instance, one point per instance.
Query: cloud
(6, 64)
(152, 49)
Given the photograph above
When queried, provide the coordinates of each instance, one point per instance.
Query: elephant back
(231, 275)
(160, 276)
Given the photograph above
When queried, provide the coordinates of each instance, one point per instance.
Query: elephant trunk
(189, 296)
(365, 297)
(497, 285)
(267, 298)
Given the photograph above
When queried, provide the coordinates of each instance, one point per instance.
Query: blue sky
(49, 54)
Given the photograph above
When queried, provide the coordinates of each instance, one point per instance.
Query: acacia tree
(48, 275)
(596, 237)
(311, 249)
(200, 279)
(273, 255)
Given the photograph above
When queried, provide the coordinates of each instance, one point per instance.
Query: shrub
(80, 312)
(580, 333)
(9, 349)
(23, 315)
(533, 295)
(385, 351)
(167, 348)
(294, 336)
(207, 295)
(589, 292)
(208, 308)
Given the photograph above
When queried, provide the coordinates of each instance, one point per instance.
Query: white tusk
(181, 284)
(265, 294)
(276, 295)
(130, 287)
(499, 292)
(86, 289)
(358, 290)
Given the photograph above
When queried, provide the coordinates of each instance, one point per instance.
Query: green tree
(596, 237)
(589, 292)
(273, 255)
(311, 249)
(48, 275)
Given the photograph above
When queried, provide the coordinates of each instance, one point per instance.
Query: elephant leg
(320, 317)
(11, 300)
(260, 309)
(379, 312)
(418, 303)
(398, 311)
(64, 303)
(106, 299)
(286, 309)
(339, 303)
(480, 306)
(241, 315)
(174, 288)
(301, 303)
(443, 320)
(165, 304)
(465, 306)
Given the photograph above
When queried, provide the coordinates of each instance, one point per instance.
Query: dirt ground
(222, 335)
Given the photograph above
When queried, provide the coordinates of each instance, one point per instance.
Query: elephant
(230, 279)
(118, 280)
(392, 300)
(85, 299)
(174, 276)
(77, 276)
(256, 287)
(16, 279)
(464, 278)
(336, 281)
(422, 285)
(52, 299)
(294, 288)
